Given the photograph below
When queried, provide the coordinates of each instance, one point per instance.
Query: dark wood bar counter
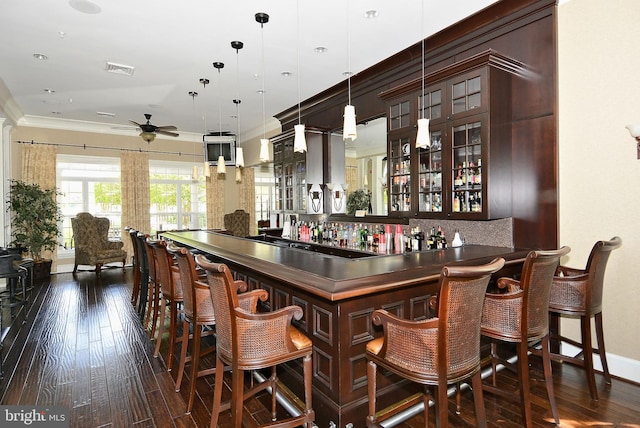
(338, 296)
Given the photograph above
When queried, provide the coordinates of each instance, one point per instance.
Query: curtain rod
(84, 146)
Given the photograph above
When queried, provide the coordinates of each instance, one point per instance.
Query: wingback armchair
(92, 244)
(237, 223)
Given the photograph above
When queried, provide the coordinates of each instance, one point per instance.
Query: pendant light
(262, 18)
(299, 140)
(239, 152)
(194, 168)
(221, 168)
(349, 126)
(206, 169)
(423, 138)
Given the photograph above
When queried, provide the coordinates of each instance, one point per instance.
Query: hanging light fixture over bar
(263, 18)
(349, 126)
(237, 45)
(221, 168)
(299, 140)
(423, 138)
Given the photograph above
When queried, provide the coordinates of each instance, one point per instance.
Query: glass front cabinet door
(466, 171)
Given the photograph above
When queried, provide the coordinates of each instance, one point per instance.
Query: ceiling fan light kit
(149, 130)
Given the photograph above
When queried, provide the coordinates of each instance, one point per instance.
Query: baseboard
(619, 366)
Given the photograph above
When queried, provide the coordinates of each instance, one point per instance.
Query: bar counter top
(337, 278)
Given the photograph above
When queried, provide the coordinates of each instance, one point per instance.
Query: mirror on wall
(366, 163)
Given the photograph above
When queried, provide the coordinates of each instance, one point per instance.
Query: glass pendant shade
(349, 127)
(194, 173)
(264, 150)
(423, 139)
(206, 169)
(239, 157)
(222, 168)
(299, 140)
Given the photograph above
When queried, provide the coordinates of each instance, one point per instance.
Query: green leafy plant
(35, 218)
(358, 200)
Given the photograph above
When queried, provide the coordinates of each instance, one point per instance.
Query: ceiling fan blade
(171, 134)
(166, 128)
(135, 123)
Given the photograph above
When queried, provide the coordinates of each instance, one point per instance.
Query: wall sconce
(634, 130)
(337, 192)
(315, 199)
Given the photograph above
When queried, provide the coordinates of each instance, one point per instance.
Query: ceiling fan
(149, 131)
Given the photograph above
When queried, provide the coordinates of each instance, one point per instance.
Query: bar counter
(338, 296)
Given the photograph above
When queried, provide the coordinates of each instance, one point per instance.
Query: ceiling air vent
(105, 114)
(126, 70)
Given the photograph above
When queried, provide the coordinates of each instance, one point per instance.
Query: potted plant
(358, 200)
(35, 222)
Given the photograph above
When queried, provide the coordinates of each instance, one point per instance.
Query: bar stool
(16, 277)
(144, 274)
(520, 316)
(247, 340)
(153, 298)
(171, 297)
(435, 352)
(198, 314)
(578, 293)
(135, 290)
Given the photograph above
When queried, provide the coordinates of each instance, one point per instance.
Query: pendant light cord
(422, 39)
(298, 55)
(264, 116)
(348, 54)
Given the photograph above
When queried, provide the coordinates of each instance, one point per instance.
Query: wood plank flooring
(82, 346)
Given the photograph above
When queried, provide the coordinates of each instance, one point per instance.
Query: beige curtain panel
(134, 178)
(39, 167)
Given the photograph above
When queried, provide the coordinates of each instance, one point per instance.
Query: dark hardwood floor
(82, 346)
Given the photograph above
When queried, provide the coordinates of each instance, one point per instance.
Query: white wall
(599, 193)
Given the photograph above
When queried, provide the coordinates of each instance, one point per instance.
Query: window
(92, 184)
(177, 201)
(265, 198)
(89, 184)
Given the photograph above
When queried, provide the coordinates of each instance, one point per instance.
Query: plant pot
(42, 269)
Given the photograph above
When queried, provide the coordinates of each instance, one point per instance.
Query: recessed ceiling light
(49, 91)
(85, 6)
(370, 14)
(40, 56)
(320, 49)
(285, 74)
(347, 73)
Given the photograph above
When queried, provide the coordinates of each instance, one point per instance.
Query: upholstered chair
(577, 293)
(92, 244)
(237, 223)
(434, 352)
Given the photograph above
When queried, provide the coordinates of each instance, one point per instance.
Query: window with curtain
(177, 201)
(88, 184)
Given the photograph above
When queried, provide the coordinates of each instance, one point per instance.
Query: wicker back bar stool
(199, 315)
(520, 316)
(435, 352)
(168, 278)
(578, 293)
(248, 340)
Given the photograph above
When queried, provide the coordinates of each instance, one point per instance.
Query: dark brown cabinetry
(290, 171)
(466, 172)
